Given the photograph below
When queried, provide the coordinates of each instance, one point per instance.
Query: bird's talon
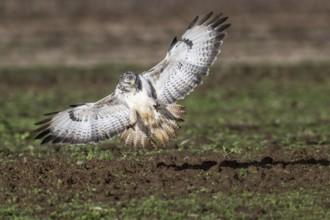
(156, 106)
(130, 126)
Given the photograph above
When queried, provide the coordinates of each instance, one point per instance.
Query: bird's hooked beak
(124, 86)
(132, 82)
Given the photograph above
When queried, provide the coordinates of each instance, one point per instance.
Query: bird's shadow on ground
(265, 162)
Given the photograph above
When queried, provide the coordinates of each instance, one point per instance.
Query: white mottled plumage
(188, 59)
(142, 109)
(87, 123)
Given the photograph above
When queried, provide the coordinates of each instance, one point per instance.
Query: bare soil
(166, 175)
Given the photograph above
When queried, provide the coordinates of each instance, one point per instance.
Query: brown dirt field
(167, 175)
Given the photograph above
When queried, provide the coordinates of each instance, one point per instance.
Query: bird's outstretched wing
(85, 123)
(188, 59)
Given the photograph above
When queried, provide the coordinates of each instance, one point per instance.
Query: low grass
(300, 204)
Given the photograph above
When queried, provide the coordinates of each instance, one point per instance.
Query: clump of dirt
(167, 175)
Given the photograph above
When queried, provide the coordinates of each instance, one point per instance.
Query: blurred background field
(38, 32)
(256, 140)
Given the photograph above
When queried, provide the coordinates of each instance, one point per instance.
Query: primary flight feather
(143, 108)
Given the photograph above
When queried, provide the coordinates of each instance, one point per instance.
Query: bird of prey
(143, 109)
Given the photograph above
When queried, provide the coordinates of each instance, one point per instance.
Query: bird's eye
(130, 77)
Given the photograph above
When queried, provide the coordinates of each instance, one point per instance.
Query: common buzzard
(143, 107)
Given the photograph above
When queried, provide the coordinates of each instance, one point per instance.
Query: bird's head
(128, 82)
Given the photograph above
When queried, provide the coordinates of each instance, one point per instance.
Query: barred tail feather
(136, 138)
(169, 129)
(145, 142)
(128, 137)
(171, 114)
(178, 111)
(158, 136)
(159, 133)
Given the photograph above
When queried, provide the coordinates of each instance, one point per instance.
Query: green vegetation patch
(289, 205)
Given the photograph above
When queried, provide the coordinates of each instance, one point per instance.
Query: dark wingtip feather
(77, 105)
(43, 134)
(223, 27)
(213, 19)
(205, 18)
(218, 22)
(220, 37)
(67, 140)
(174, 41)
(51, 113)
(192, 23)
(43, 121)
(57, 140)
(47, 139)
(41, 128)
